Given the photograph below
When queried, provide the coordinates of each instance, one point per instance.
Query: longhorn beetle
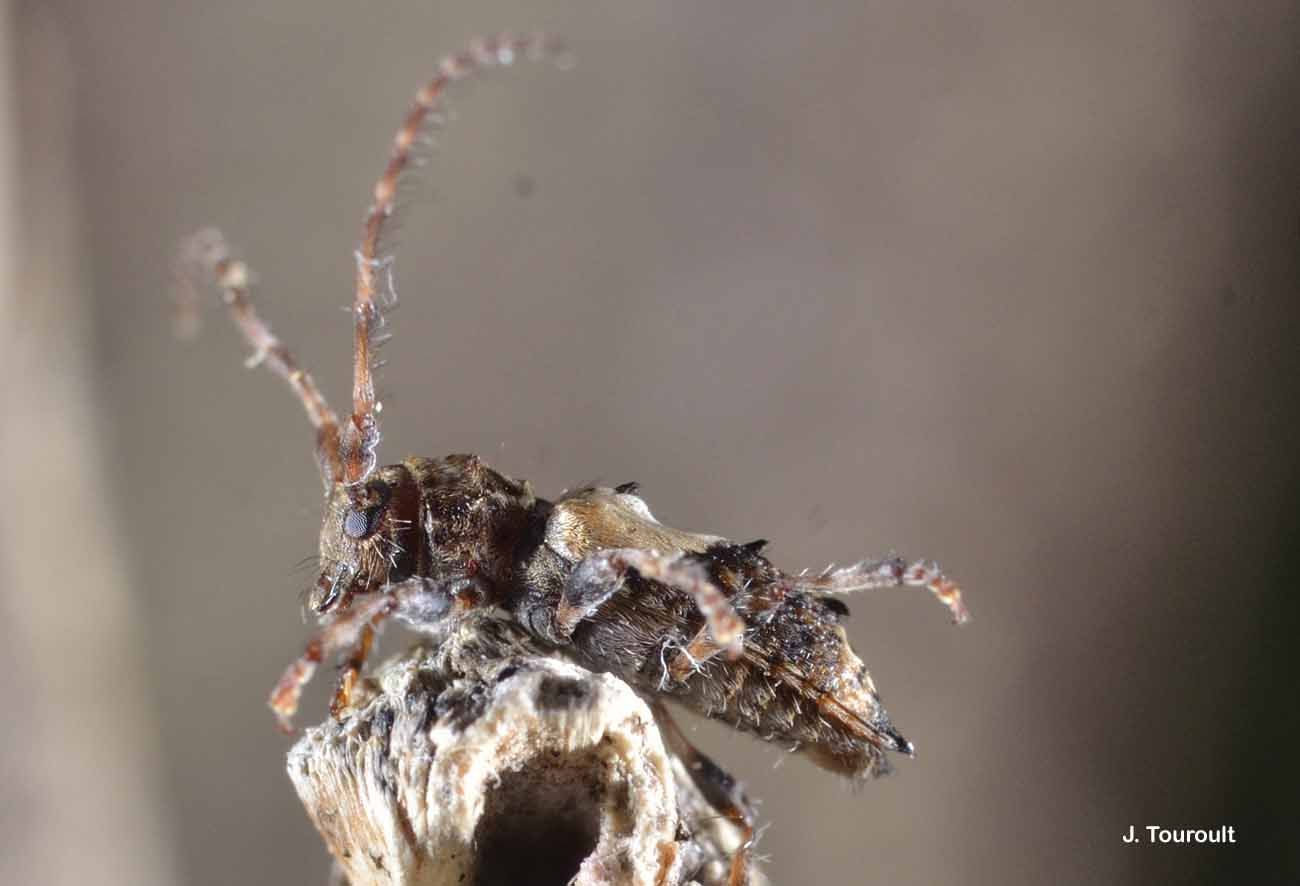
(681, 616)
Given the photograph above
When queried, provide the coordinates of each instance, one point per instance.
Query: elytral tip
(894, 740)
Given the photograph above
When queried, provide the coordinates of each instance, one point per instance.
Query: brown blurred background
(1005, 285)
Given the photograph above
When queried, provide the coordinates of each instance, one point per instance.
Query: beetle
(690, 618)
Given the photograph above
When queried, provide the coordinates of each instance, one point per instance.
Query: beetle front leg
(420, 602)
(350, 672)
(344, 632)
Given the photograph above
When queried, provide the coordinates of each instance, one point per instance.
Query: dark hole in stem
(539, 823)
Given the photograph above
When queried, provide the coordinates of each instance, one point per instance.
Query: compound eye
(362, 519)
(361, 524)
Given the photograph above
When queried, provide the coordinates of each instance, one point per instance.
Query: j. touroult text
(1154, 833)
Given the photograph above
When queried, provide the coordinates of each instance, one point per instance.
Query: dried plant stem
(487, 761)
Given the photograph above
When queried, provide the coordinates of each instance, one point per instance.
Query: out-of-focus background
(1005, 285)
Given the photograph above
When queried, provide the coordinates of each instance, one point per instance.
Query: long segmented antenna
(206, 253)
(361, 436)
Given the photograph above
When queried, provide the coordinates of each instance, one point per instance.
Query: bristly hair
(345, 451)
(374, 290)
(308, 562)
(206, 255)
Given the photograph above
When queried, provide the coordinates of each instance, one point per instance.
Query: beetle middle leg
(688, 659)
(600, 576)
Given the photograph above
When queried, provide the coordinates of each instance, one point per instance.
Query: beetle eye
(360, 524)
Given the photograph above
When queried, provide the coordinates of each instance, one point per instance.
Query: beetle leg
(687, 659)
(600, 576)
(344, 632)
(420, 602)
(720, 789)
(350, 672)
(893, 572)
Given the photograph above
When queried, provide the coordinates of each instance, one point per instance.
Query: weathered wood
(486, 760)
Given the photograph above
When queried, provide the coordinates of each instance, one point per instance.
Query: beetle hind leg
(893, 572)
(718, 787)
